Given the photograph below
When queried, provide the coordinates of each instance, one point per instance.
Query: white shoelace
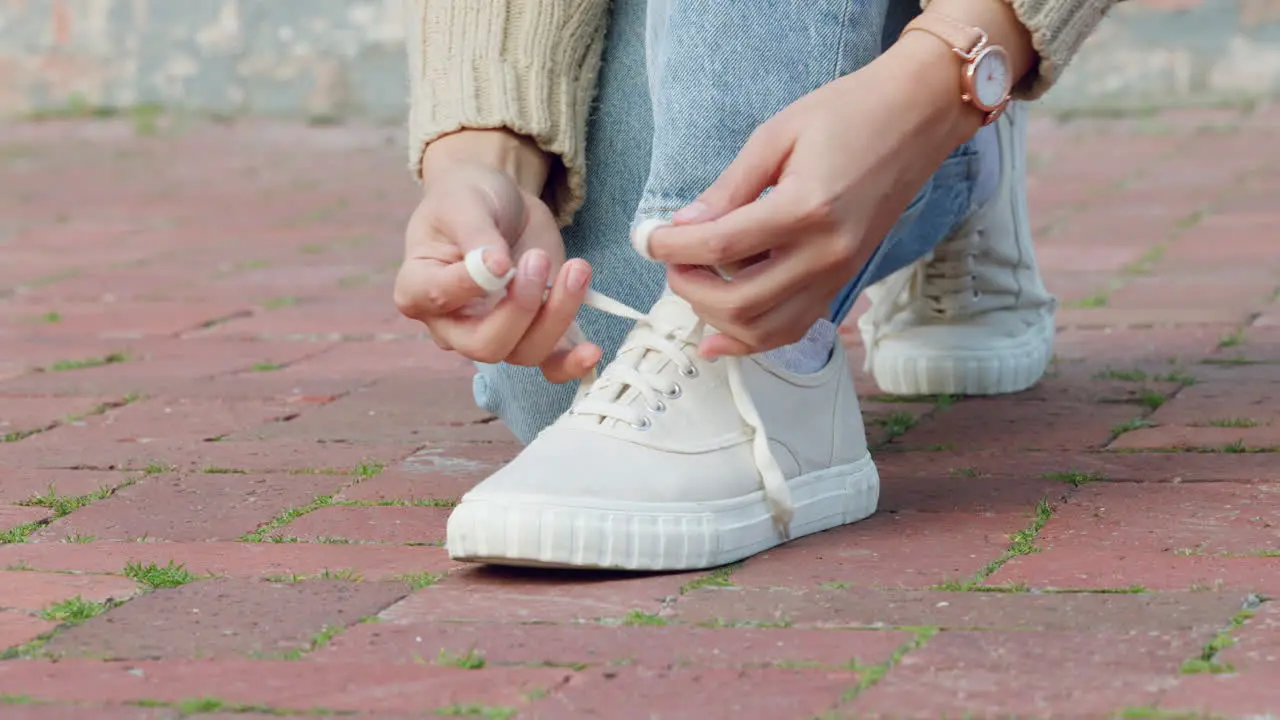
(604, 396)
(944, 280)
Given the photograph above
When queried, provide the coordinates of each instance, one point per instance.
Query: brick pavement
(227, 464)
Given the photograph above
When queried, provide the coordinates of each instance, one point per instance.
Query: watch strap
(965, 40)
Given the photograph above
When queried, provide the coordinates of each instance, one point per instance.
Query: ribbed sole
(549, 532)
(902, 367)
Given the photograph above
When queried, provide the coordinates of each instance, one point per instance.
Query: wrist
(927, 74)
(1001, 24)
(514, 155)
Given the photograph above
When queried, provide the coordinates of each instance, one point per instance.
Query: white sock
(810, 354)
(988, 147)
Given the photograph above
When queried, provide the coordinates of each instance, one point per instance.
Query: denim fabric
(666, 124)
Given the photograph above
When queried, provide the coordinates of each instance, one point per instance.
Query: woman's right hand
(473, 198)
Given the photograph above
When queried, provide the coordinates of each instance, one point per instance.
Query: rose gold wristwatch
(984, 75)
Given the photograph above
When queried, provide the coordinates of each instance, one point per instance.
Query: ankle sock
(988, 147)
(810, 354)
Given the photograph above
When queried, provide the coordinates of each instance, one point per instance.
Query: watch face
(991, 78)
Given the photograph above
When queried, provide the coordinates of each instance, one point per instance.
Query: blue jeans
(684, 82)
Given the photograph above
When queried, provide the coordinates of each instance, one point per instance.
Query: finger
(555, 317)
(765, 285)
(781, 325)
(571, 364)
(428, 287)
(754, 229)
(757, 166)
(496, 335)
(720, 345)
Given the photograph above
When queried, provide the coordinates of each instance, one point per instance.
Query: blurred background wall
(323, 60)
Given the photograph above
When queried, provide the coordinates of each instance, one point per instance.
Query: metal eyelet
(674, 393)
(644, 424)
(658, 409)
(977, 294)
(692, 372)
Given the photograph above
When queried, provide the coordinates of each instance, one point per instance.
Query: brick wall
(331, 58)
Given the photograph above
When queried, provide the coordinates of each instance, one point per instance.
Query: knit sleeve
(526, 65)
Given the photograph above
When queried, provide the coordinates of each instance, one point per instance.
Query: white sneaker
(973, 317)
(671, 462)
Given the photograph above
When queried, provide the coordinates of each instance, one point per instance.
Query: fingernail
(535, 266)
(497, 264)
(579, 276)
(692, 212)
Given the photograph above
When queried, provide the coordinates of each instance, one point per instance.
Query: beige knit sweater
(530, 66)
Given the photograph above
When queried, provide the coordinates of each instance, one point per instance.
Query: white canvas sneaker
(671, 462)
(973, 317)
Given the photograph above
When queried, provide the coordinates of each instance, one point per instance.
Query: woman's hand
(475, 195)
(843, 163)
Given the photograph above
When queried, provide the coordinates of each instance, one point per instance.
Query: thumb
(756, 168)
(445, 242)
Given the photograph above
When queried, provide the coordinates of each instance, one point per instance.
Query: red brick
(1157, 536)
(193, 506)
(27, 414)
(1224, 242)
(159, 366)
(169, 419)
(18, 484)
(1249, 694)
(1119, 317)
(32, 591)
(1152, 349)
(1206, 402)
(1196, 614)
(1257, 643)
(17, 628)
(317, 320)
(28, 355)
(244, 560)
(1001, 673)
(11, 516)
(42, 711)
(928, 529)
(880, 418)
(443, 471)
(1266, 437)
(396, 525)
(1008, 424)
(269, 456)
(367, 360)
(482, 594)
(408, 409)
(1261, 345)
(1002, 471)
(225, 618)
(588, 644)
(279, 684)
(691, 693)
(125, 319)
(1195, 291)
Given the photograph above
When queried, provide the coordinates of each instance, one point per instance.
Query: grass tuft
(157, 576)
(73, 611)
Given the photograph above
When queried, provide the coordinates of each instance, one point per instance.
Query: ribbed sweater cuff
(1058, 29)
(529, 67)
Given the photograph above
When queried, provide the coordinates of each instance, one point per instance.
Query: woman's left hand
(843, 162)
